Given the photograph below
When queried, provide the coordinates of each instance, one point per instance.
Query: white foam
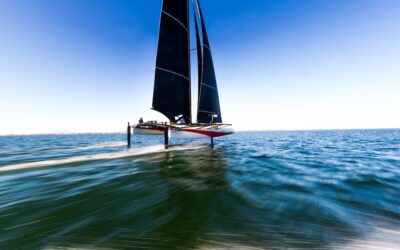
(107, 156)
(102, 145)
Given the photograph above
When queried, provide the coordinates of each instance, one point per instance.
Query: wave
(95, 146)
(106, 156)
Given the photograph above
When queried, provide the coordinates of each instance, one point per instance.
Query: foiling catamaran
(172, 85)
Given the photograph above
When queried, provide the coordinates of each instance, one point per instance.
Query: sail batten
(206, 46)
(203, 84)
(174, 18)
(172, 72)
(171, 95)
(205, 111)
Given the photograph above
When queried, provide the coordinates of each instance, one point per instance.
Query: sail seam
(208, 86)
(172, 72)
(176, 19)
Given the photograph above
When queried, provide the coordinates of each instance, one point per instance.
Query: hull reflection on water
(205, 171)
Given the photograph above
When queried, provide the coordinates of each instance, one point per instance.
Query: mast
(172, 92)
(209, 110)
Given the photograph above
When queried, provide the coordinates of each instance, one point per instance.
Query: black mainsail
(209, 110)
(172, 95)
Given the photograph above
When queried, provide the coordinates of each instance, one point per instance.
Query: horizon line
(239, 131)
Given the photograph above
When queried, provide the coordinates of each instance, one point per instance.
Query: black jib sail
(209, 110)
(172, 78)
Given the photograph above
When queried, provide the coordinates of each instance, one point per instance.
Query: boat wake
(107, 156)
(99, 146)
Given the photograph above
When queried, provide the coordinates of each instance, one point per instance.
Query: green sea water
(254, 190)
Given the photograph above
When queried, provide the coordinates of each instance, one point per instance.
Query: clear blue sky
(88, 66)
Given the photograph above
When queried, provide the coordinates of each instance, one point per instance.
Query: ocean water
(254, 190)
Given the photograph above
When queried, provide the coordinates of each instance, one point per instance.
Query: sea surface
(254, 190)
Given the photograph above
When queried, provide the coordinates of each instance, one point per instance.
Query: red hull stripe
(210, 133)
